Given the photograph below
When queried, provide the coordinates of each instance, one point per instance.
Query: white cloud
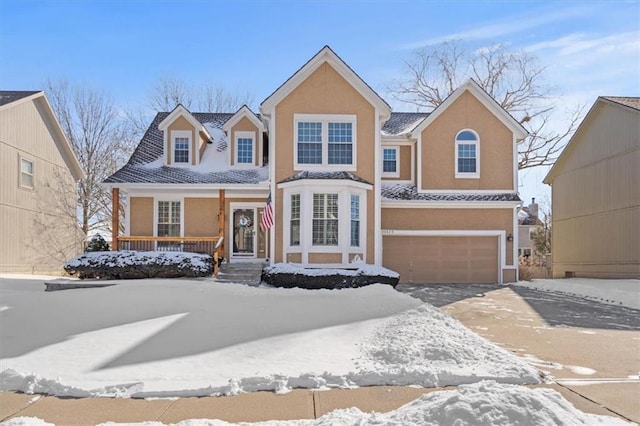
(571, 44)
(510, 25)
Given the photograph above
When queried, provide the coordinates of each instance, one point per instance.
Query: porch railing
(203, 245)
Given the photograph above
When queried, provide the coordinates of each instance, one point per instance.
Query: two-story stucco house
(432, 196)
(38, 227)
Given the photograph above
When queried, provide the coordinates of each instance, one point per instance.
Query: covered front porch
(224, 223)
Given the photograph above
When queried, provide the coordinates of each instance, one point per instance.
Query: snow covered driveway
(197, 337)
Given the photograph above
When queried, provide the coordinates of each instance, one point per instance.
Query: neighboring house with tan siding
(596, 194)
(432, 196)
(38, 228)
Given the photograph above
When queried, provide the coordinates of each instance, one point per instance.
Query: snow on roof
(146, 164)
(340, 175)
(9, 96)
(409, 192)
(401, 123)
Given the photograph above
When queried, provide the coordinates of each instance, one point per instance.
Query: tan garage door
(442, 259)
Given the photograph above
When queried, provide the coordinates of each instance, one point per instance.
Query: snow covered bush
(289, 276)
(140, 264)
(97, 243)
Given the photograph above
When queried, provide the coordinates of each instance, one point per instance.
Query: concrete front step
(241, 272)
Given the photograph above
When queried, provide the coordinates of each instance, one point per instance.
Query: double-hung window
(244, 147)
(325, 220)
(467, 154)
(295, 220)
(390, 162)
(325, 140)
(169, 218)
(26, 173)
(181, 142)
(355, 220)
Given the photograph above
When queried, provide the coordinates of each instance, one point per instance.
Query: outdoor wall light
(509, 237)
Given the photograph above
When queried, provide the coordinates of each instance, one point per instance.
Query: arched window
(467, 154)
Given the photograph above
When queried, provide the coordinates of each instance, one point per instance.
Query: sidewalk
(250, 407)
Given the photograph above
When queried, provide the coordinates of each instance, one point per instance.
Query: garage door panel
(424, 259)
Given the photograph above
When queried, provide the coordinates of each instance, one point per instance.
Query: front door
(244, 232)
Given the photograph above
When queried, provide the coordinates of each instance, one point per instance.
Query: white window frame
(395, 174)
(307, 189)
(467, 175)
(325, 119)
(156, 201)
(21, 172)
(188, 134)
(244, 135)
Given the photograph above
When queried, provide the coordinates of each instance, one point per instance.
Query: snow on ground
(181, 337)
(615, 292)
(483, 403)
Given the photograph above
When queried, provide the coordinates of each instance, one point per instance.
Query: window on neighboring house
(26, 173)
(526, 252)
(325, 220)
(467, 159)
(355, 220)
(169, 218)
(325, 140)
(532, 233)
(244, 147)
(181, 150)
(390, 162)
(295, 220)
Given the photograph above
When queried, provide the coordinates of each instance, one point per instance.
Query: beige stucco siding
(325, 91)
(201, 217)
(326, 258)
(596, 198)
(182, 123)
(245, 125)
(141, 220)
(405, 162)
(438, 148)
(451, 219)
(38, 227)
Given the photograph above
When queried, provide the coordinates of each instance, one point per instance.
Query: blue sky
(590, 48)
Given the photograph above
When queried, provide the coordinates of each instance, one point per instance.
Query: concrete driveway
(584, 347)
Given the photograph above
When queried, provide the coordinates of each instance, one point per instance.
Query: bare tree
(101, 140)
(514, 79)
(168, 93)
(171, 91)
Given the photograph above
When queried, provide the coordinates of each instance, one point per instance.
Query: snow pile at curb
(615, 292)
(484, 403)
(426, 347)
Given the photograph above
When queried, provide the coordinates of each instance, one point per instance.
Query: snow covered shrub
(289, 276)
(140, 264)
(97, 243)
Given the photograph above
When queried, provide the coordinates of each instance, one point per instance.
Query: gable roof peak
(325, 55)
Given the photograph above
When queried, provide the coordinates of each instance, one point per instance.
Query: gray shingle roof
(409, 192)
(150, 150)
(400, 123)
(8, 96)
(324, 175)
(630, 101)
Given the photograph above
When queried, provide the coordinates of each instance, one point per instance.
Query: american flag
(267, 214)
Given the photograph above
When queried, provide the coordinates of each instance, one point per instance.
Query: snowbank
(484, 403)
(362, 269)
(615, 292)
(209, 338)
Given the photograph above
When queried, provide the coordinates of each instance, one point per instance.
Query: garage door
(421, 259)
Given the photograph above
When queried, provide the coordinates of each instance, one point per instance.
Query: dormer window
(244, 147)
(181, 146)
(467, 154)
(325, 141)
